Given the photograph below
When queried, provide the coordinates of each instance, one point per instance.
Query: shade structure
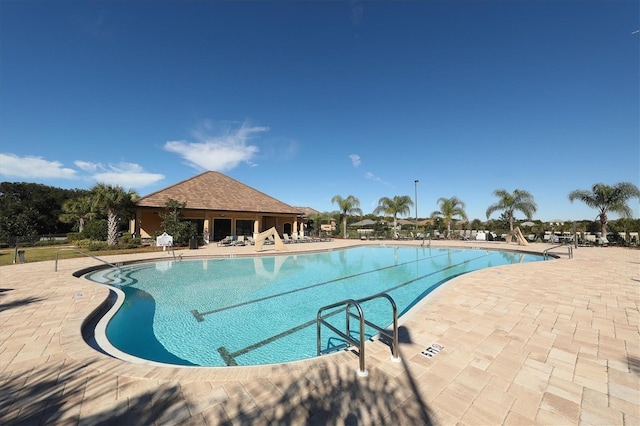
(365, 222)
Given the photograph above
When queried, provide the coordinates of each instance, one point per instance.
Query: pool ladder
(545, 253)
(347, 304)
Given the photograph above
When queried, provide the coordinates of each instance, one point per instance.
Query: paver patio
(548, 343)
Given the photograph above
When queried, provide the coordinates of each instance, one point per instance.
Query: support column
(256, 228)
(208, 225)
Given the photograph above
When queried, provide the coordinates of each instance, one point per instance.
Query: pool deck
(548, 343)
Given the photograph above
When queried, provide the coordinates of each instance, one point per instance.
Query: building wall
(148, 221)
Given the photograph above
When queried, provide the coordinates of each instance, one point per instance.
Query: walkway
(544, 343)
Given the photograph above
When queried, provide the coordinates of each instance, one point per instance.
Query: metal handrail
(348, 303)
(82, 252)
(172, 251)
(568, 245)
(393, 336)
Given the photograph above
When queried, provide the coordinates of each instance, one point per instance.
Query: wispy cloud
(374, 178)
(31, 167)
(357, 12)
(355, 160)
(94, 26)
(127, 175)
(220, 152)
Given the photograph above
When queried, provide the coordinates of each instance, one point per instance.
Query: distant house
(219, 206)
(327, 225)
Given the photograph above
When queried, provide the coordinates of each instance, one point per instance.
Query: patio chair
(226, 241)
(297, 239)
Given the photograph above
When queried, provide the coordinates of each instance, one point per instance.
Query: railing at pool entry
(569, 247)
(347, 304)
(84, 253)
(117, 265)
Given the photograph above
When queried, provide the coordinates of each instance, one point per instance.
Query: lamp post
(415, 183)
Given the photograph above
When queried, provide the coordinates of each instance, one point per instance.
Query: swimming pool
(262, 310)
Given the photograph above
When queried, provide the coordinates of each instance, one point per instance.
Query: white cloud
(357, 11)
(374, 178)
(127, 175)
(218, 153)
(31, 167)
(355, 160)
(86, 166)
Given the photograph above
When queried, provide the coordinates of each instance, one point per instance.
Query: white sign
(164, 240)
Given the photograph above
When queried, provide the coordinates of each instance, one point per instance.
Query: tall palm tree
(607, 198)
(347, 206)
(77, 209)
(398, 205)
(519, 200)
(116, 201)
(449, 208)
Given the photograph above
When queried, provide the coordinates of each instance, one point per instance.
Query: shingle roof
(307, 211)
(215, 191)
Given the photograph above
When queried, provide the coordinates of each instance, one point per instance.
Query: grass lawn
(39, 254)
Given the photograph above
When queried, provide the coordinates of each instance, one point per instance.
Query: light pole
(415, 183)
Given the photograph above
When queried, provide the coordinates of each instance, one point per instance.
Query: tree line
(604, 198)
(100, 213)
(31, 210)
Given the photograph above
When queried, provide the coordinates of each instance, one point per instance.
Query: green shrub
(126, 241)
(98, 245)
(47, 243)
(72, 237)
(83, 243)
(95, 230)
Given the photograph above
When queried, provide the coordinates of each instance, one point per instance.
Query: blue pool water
(262, 310)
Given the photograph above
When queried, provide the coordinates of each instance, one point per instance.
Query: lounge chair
(297, 239)
(226, 241)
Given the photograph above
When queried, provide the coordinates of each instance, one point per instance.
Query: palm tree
(116, 201)
(398, 205)
(509, 203)
(77, 209)
(347, 206)
(318, 219)
(449, 208)
(607, 198)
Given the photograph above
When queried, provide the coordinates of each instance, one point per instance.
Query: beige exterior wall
(148, 221)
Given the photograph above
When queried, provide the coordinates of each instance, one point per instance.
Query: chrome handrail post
(362, 372)
(318, 331)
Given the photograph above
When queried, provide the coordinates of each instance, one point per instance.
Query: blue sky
(311, 99)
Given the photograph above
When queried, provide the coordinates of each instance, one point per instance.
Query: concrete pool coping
(536, 343)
